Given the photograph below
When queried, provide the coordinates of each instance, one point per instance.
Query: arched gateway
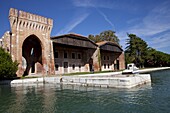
(30, 43)
(32, 53)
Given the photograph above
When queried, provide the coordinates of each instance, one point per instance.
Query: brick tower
(30, 43)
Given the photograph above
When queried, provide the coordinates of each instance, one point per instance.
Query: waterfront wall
(119, 81)
(114, 79)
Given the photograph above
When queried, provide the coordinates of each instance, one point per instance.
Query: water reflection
(33, 98)
(55, 98)
(25, 88)
(51, 98)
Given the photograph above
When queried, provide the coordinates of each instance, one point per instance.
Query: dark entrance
(32, 52)
(116, 66)
(91, 65)
(65, 67)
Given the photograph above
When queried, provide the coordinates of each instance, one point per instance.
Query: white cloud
(93, 3)
(157, 21)
(109, 4)
(154, 27)
(73, 23)
(96, 4)
(161, 41)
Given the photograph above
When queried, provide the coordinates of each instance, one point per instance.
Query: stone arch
(32, 52)
(26, 30)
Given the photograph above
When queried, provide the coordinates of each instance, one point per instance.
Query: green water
(39, 98)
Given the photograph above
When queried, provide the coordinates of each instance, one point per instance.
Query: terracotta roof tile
(107, 42)
(101, 43)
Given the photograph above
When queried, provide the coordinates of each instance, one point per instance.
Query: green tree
(109, 36)
(136, 50)
(105, 36)
(92, 37)
(157, 58)
(8, 68)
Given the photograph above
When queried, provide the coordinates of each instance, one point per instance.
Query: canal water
(39, 98)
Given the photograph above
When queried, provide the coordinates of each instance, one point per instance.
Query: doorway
(91, 65)
(65, 67)
(32, 53)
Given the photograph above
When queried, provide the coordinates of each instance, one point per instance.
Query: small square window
(56, 67)
(73, 67)
(107, 57)
(79, 56)
(73, 56)
(56, 54)
(79, 68)
(104, 57)
(108, 66)
(65, 55)
(104, 66)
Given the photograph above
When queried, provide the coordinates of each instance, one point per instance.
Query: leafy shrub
(8, 68)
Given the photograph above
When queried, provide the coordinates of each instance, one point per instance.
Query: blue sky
(148, 19)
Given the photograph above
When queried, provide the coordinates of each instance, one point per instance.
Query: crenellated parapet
(30, 21)
(13, 12)
(30, 32)
(32, 17)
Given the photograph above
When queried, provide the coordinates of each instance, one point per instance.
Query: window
(104, 57)
(104, 66)
(79, 56)
(79, 68)
(56, 54)
(73, 67)
(108, 66)
(107, 57)
(73, 56)
(65, 55)
(56, 67)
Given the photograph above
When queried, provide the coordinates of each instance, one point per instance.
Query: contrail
(105, 17)
(72, 24)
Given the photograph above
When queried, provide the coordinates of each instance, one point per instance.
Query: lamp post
(10, 33)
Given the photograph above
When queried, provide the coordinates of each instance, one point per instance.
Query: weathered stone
(30, 38)
(30, 44)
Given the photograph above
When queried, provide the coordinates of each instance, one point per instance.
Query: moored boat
(131, 69)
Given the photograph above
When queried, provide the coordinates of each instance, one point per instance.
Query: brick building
(29, 43)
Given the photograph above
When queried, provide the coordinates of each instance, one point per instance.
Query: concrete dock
(114, 81)
(109, 80)
(118, 81)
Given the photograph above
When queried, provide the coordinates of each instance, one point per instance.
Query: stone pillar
(122, 61)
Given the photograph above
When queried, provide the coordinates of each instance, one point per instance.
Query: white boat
(131, 69)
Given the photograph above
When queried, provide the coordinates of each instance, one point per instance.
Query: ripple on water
(49, 98)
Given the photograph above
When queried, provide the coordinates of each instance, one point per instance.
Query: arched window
(73, 67)
(56, 67)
